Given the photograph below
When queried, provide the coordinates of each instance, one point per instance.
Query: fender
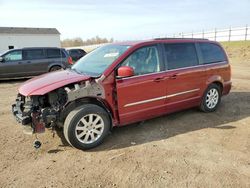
(90, 91)
(214, 78)
(94, 100)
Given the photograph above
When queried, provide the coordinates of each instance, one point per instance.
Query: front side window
(144, 60)
(180, 55)
(211, 53)
(13, 56)
(97, 61)
(34, 54)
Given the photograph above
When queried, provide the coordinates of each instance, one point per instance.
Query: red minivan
(123, 83)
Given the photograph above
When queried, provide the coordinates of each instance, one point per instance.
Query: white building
(20, 37)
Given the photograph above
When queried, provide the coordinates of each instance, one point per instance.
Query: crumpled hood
(45, 83)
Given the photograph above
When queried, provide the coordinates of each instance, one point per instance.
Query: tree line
(79, 42)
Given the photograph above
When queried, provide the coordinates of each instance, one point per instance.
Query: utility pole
(246, 32)
(229, 37)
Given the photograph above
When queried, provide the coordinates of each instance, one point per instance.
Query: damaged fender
(87, 89)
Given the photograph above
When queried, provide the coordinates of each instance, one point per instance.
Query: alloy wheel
(212, 98)
(89, 128)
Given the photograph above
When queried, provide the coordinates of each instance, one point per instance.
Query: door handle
(158, 79)
(28, 62)
(19, 62)
(173, 77)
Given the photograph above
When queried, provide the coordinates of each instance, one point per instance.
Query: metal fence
(230, 34)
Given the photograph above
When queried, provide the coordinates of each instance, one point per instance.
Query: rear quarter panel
(62, 62)
(219, 72)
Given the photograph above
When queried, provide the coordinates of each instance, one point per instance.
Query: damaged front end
(48, 110)
(39, 112)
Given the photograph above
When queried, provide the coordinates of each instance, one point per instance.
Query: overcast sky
(124, 19)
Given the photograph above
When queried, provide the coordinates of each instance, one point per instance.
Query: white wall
(28, 40)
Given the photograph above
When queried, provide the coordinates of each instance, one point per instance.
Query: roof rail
(179, 39)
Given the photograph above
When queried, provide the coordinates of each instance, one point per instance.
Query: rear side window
(34, 54)
(181, 55)
(55, 53)
(211, 53)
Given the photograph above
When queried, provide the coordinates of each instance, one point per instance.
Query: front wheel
(211, 98)
(86, 126)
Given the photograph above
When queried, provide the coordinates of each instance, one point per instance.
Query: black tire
(204, 106)
(73, 119)
(55, 68)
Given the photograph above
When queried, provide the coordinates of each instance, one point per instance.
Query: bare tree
(79, 42)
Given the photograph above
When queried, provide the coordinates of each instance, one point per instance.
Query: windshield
(98, 60)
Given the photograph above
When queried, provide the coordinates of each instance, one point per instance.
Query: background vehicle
(123, 83)
(76, 54)
(28, 62)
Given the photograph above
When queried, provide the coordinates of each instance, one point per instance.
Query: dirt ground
(184, 149)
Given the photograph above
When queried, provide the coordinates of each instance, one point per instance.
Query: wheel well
(71, 106)
(219, 84)
(54, 66)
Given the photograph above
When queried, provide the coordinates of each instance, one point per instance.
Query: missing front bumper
(27, 117)
(24, 120)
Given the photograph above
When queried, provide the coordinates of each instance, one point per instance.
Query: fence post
(215, 32)
(246, 32)
(203, 33)
(182, 34)
(192, 34)
(229, 37)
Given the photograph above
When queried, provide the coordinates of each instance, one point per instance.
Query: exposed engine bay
(45, 111)
(40, 111)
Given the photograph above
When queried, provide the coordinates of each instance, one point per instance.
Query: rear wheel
(86, 126)
(211, 98)
(54, 68)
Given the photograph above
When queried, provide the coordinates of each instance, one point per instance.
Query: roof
(162, 40)
(180, 39)
(28, 30)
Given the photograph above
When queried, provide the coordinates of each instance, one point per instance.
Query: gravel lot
(184, 149)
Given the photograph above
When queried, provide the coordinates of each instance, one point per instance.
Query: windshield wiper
(86, 73)
(77, 71)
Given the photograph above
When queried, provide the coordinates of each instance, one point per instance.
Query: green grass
(236, 44)
(238, 51)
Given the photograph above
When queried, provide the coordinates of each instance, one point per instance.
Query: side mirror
(1, 59)
(125, 71)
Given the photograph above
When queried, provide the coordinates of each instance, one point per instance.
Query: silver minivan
(28, 62)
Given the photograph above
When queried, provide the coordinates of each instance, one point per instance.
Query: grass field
(238, 51)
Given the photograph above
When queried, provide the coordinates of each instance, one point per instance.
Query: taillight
(70, 61)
